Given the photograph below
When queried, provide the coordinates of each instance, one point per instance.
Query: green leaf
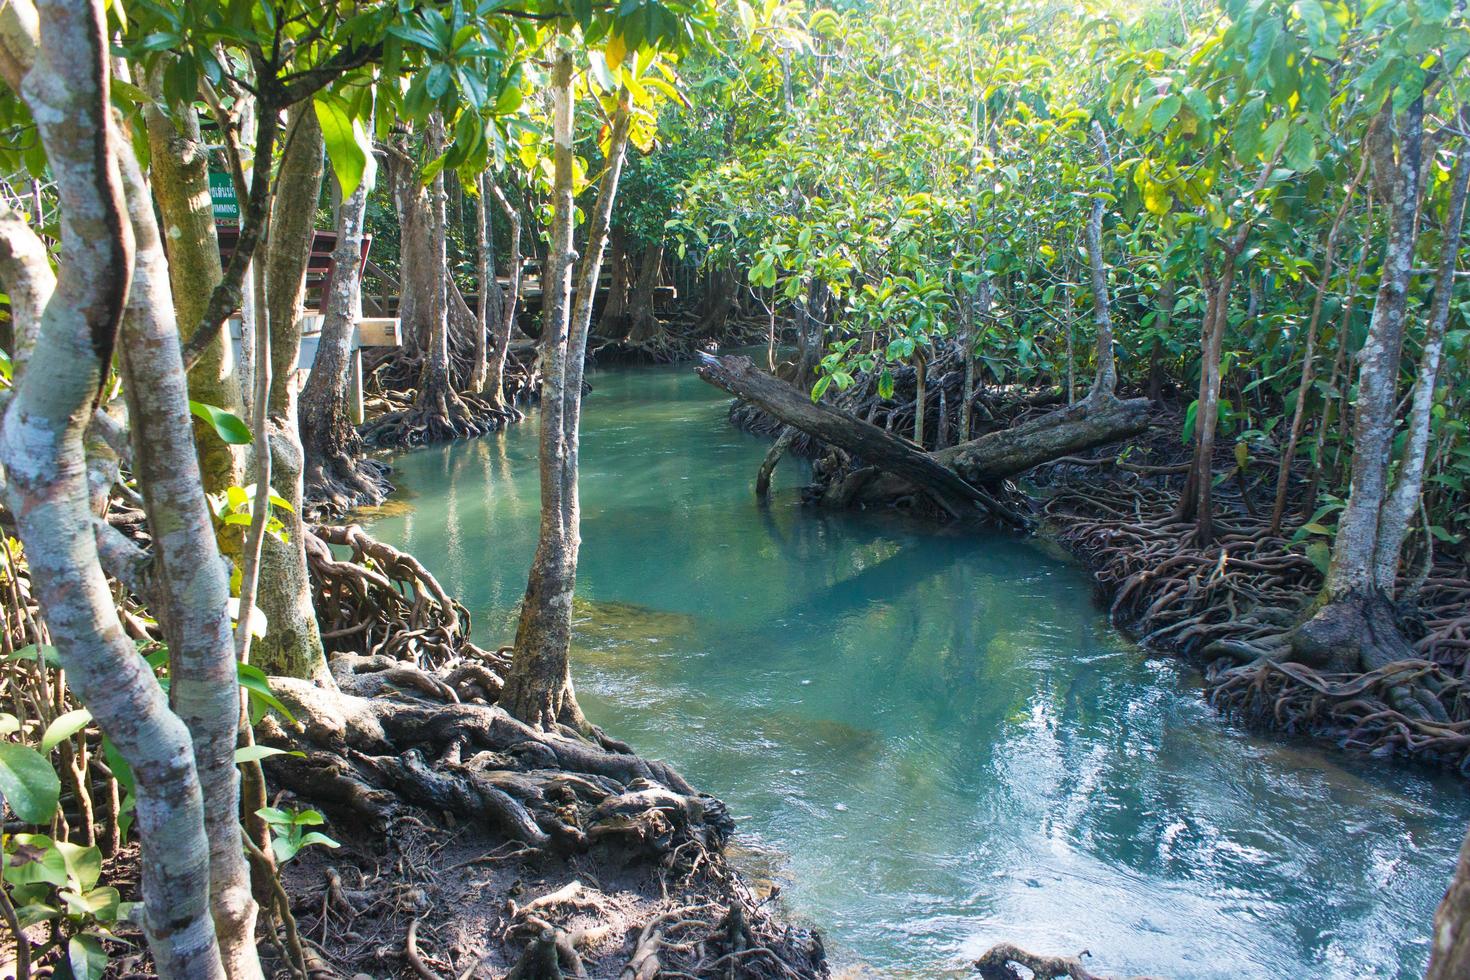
(253, 679)
(32, 859)
(346, 141)
(100, 903)
(83, 864)
(64, 727)
(228, 426)
(254, 753)
(28, 783)
(1320, 555)
(87, 958)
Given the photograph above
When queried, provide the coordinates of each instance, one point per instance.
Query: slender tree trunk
(191, 598)
(41, 447)
(645, 323)
(538, 688)
(1356, 627)
(510, 304)
(920, 398)
(180, 181)
(1165, 316)
(292, 645)
(1398, 510)
(416, 273)
(1105, 383)
(1196, 501)
(979, 310)
(435, 387)
(613, 322)
(1309, 353)
(489, 310)
(811, 332)
(335, 470)
(1354, 567)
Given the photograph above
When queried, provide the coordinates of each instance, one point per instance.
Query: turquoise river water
(932, 740)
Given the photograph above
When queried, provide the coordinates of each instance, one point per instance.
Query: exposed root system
(1235, 605)
(453, 416)
(410, 735)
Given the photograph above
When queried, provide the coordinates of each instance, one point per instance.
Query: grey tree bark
(538, 688)
(179, 168)
(1355, 626)
(337, 475)
(292, 645)
(1403, 501)
(41, 448)
(510, 303)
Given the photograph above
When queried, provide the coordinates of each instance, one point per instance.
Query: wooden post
(354, 387)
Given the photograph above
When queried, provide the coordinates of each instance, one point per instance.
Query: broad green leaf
(28, 783)
(64, 727)
(86, 956)
(346, 141)
(228, 426)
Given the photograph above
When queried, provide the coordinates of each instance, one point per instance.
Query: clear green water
(932, 740)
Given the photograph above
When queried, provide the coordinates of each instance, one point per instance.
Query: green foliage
(228, 426)
(290, 833)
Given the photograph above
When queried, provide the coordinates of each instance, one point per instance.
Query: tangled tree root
(443, 419)
(1000, 963)
(396, 736)
(1235, 607)
(382, 602)
(338, 484)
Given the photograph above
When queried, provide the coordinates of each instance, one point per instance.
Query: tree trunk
(416, 275)
(950, 476)
(920, 398)
(721, 303)
(191, 597)
(644, 323)
(435, 389)
(1309, 353)
(1398, 510)
(1449, 954)
(613, 322)
(292, 645)
(510, 303)
(811, 332)
(491, 306)
(1105, 383)
(180, 180)
(1165, 315)
(1355, 628)
(41, 447)
(538, 688)
(336, 472)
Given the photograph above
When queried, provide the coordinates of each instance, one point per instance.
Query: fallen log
(739, 376)
(1009, 452)
(956, 476)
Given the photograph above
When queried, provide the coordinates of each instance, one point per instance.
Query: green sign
(222, 196)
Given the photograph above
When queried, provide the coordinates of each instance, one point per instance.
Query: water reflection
(932, 740)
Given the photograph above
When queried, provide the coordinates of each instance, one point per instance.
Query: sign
(222, 196)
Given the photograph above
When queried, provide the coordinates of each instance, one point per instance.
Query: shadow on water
(932, 740)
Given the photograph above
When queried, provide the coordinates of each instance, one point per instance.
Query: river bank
(932, 741)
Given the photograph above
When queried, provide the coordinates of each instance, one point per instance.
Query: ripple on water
(932, 741)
